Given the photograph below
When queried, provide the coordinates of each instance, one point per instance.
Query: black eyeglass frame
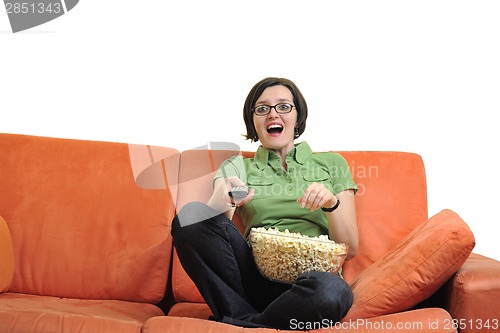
(272, 107)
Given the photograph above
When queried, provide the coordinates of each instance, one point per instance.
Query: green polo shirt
(274, 204)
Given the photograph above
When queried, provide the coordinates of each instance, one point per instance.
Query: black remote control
(238, 192)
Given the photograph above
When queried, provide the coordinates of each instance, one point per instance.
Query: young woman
(290, 187)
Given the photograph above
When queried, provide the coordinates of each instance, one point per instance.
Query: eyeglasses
(281, 108)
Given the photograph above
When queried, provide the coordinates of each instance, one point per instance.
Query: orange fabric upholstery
(80, 226)
(85, 242)
(419, 321)
(415, 269)
(192, 310)
(35, 314)
(88, 221)
(197, 172)
(390, 203)
(472, 295)
(6, 257)
(155, 168)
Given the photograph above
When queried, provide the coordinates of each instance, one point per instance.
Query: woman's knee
(330, 293)
(339, 297)
(195, 219)
(193, 213)
(189, 215)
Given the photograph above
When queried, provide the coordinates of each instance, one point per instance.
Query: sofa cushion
(196, 174)
(473, 293)
(80, 226)
(6, 257)
(432, 320)
(390, 203)
(414, 269)
(20, 313)
(189, 309)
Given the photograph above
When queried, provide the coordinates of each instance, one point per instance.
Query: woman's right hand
(221, 200)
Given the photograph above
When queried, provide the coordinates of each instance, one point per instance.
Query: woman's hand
(221, 200)
(316, 196)
(342, 226)
(236, 182)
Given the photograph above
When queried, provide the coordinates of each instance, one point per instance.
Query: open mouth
(275, 129)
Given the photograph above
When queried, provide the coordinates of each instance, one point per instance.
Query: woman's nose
(273, 113)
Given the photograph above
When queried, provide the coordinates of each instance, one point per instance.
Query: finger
(222, 188)
(316, 194)
(318, 200)
(235, 181)
(247, 199)
(304, 201)
(243, 201)
(307, 193)
(311, 199)
(230, 183)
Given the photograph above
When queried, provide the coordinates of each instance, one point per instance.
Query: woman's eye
(283, 107)
(261, 109)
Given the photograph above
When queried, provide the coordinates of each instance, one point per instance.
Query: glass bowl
(283, 256)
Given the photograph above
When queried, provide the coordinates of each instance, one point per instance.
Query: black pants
(219, 261)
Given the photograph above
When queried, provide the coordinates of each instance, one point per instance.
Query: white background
(416, 76)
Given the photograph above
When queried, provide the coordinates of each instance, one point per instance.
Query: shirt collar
(300, 152)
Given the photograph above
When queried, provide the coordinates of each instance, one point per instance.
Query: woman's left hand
(316, 196)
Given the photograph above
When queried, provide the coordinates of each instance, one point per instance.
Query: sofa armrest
(472, 295)
(6, 257)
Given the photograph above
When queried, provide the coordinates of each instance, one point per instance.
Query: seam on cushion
(406, 275)
(175, 287)
(166, 267)
(448, 267)
(459, 280)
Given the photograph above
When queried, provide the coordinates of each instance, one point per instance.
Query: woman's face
(275, 130)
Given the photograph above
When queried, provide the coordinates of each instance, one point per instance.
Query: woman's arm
(342, 227)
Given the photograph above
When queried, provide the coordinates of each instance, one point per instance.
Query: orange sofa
(85, 244)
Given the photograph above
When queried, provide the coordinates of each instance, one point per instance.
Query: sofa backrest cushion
(390, 203)
(6, 257)
(80, 225)
(196, 173)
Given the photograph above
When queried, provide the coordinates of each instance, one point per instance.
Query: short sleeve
(341, 174)
(232, 167)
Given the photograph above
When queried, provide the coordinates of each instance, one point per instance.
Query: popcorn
(282, 256)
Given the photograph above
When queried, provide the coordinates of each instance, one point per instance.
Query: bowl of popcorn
(283, 255)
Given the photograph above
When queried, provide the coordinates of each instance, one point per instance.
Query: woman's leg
(316, 298)
(219, 261)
